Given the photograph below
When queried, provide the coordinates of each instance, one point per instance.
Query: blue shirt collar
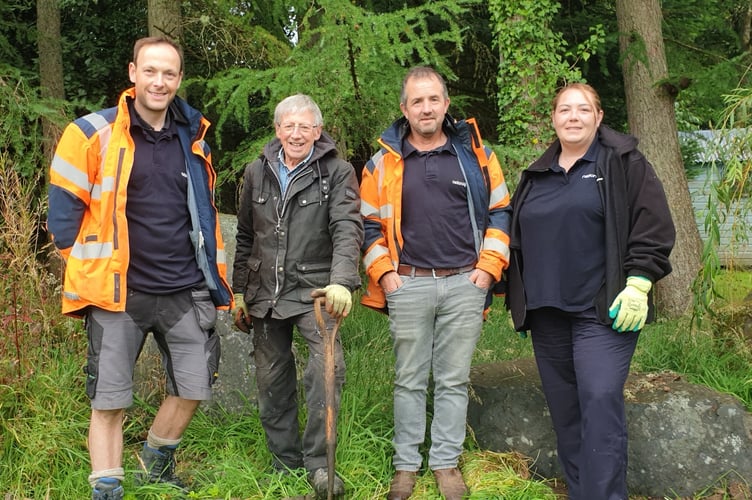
(285, 174)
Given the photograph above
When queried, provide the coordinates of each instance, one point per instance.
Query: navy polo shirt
(162, 258)
(562, 230)
(435, 226)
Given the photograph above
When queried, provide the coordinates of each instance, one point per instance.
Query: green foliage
(703, 49)
(534, 61)
(25, 313)
(97, 46)
(350, 61)
(716, 357)
(729, 198)
(226, 34)
(22, 110)
(17, 43)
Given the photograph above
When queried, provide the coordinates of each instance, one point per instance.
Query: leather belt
(405, 270)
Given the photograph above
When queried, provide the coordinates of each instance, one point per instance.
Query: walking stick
(330, 338)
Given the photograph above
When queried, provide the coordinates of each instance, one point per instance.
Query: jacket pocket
(312, 275)
(259, 196)
(311, 198)
(253, 283)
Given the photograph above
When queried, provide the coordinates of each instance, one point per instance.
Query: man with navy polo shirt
(131, 211)
(435, 212)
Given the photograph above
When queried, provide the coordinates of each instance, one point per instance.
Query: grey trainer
(107, 488)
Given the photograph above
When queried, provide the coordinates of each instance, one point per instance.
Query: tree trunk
(50, 65)
(165, 19)
(745, 27)
(650, 110)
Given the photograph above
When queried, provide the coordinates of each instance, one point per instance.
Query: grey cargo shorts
(183, 327)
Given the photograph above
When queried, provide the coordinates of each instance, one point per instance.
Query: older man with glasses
(299, 230)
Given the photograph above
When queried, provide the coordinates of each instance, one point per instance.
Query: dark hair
(420, 72)
(156, 40)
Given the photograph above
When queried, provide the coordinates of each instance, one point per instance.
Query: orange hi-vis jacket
(87, 199)
(381, 204)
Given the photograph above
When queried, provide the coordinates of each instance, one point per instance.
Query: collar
(590, 156)
(171, 117)
(408, 149)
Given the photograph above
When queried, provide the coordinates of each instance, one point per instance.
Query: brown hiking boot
(451, 484)
(402, 485)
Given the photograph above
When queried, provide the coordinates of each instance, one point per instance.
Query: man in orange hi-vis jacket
(436, 216)
(131, 210)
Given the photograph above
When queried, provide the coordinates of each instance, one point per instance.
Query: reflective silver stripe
(496, 245)
(387, 211)
(368, 210)
(71, 173)
(498, 195)
(116, 291)
(374, 254)
(221, 257)
(91, 250)
(108, 185)
(104, 134)
(376, 160)
(97, 121)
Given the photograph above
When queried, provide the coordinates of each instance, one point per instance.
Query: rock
(508, 412)
(682, 437)
(235, 389)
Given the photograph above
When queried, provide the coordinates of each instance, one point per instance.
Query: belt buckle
(433, 272)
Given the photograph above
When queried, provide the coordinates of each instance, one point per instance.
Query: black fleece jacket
(639, 230)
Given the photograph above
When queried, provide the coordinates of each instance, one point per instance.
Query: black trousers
(583, 366)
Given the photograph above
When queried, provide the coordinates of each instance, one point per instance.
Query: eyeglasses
(304, 128)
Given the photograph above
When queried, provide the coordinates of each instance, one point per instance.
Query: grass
(44, 419)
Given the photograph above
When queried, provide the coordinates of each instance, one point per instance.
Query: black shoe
(159, 467)
(319, 479)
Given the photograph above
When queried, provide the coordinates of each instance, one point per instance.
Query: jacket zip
(284, 199)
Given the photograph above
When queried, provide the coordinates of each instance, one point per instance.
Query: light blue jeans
(435, 324)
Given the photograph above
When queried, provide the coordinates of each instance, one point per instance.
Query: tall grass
(44, 419)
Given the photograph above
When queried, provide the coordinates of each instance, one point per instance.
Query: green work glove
(510, 322)
(630, 308)
(338, 299)
(240, 314)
